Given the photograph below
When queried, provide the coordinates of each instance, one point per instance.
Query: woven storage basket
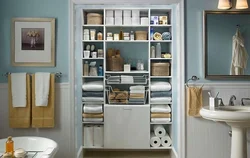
(115, 64)
(160, 69)
(94, 18)
(141, 35)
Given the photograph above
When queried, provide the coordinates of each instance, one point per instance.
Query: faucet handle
(221, 102)
(242, 100)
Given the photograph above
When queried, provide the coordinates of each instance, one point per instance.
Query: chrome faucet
(242, 100)
(231, 100)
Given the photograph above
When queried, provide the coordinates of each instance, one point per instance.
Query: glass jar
(140, 65)
(93, 71)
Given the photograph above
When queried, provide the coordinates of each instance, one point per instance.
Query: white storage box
(109, 13)
(135, 13)
(127, 20)
(118, 13)
(109, 21)
(126, 13)
(144, 21)
(135, 21)
(118, 20)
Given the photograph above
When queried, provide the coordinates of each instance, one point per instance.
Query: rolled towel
(159, 130)
(166, 141)
(160, 94)
(92, 94)
(160, 99)
(92, 99)
(137, 92)
(154, 140)
(132, 88)
(161, 108)
(160, 115)
(92, 119)
(93, 86)
(160, 86)
(85, 115)
(160, 120)
(92, 109)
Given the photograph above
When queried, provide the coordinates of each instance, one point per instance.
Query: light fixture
(224, 4)
(241, 4)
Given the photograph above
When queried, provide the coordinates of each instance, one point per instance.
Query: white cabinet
(127, 126)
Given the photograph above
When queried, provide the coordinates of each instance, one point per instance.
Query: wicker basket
(115, 64)
(94, 19)
(141, 35)
(160, 69)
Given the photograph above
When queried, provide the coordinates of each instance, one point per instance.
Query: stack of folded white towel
(92, 113)
(160, 113)
(160, 137)
(93, 91)
(160, 92)
(127, 79)
(137, 94)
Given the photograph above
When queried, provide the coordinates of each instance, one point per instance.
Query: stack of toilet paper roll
(159, 137)
(93, 136)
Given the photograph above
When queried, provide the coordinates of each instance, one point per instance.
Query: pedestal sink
(238, 117)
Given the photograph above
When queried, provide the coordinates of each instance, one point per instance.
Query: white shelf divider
(160, 25)
(89, 41)
(92, 58)
(127, 26)
(92, 76)
(129, 41)
(161, 41)
(160, 58)
(160, 76)
(122, 72)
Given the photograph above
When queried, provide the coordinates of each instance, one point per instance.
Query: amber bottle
(9, 145)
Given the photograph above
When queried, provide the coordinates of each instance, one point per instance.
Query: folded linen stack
(92, 113)
(160, 137)
(160, 92)
(114, 79)
(127, 79)
(137, 94)
(92, 91)
(160, 114)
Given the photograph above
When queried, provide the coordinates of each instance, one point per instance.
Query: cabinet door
(127, 127)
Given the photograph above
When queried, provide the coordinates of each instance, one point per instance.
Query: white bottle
(158, 50)
(152, 52)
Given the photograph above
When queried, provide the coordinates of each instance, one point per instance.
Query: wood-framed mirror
(226, 44)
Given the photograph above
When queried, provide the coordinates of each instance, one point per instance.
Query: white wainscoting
(208, 139)
(62, 131)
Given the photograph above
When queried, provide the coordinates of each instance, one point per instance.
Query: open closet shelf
(162, 41)
(122, 72)
(123, 41)
(168, 123)
(93, 123)
(160, 76)
(160, 25)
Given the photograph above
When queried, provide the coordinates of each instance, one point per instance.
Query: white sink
(238, 117)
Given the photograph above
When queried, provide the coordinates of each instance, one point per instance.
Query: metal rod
(57, 74)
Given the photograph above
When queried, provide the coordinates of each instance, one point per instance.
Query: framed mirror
(226, 43)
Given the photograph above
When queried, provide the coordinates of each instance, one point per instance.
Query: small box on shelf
(127, 67)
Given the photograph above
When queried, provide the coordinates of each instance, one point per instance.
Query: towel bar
(57, 74)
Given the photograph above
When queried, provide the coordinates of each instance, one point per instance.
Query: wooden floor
(126, 154)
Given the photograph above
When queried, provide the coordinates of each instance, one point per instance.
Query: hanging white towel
(18, 89)
(239, 55)
(42, 83)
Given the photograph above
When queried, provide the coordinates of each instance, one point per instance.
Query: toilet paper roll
(159, 130)
(98, 136)
(88, 136)
(166, 141)
(155, 141)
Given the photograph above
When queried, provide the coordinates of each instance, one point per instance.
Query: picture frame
(33, 42)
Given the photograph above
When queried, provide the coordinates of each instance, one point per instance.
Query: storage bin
(109, 13)
(141, 35)
(118, 20)
(135, 21)
(144, 21)
(109, 21)
(126, 13)
(118, 13)
(115, 64)
(127, 20)
(160, 69)
(94, 19)
(136, 13)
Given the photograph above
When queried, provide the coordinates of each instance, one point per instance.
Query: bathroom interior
(125, 79)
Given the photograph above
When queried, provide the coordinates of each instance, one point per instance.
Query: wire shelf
(118, 79)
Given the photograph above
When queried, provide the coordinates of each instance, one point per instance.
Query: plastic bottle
(121, 35)
(152, 52)
(86, 69)
(100, 71)
(9, 145)
(132, 36)
(152, 34)
(158, 50)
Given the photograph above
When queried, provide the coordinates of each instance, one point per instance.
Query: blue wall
(194, 38)
(220, 30)
(40, 9)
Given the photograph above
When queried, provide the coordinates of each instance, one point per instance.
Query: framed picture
(33, 42)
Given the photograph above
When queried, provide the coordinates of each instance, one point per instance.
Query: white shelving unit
(142, 110)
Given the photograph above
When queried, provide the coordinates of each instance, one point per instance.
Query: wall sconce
(227, 4)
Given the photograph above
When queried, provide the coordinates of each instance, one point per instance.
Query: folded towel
(194, 101)
(160, 94)
(160, 115)
(160, 99)
(160, 120)
(18, 89)
(127, 79)
(42, 83)
(137, 95)
(85, 115)
(92, 99)
(137, 88)
(93, 86)
(92, 94)
(137, 91)
(92, 109)
(160, 108)
(136, 99)
(160, 86)
(92, 119)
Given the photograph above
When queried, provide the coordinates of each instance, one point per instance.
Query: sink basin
(238, 117)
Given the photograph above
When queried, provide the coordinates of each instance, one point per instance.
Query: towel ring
(193, 78)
